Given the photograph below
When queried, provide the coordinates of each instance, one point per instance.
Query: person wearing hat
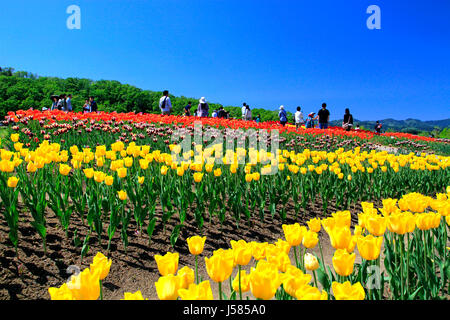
(310, 121)
(283, 116)
(203, 108)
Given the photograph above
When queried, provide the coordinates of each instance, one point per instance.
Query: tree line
(21, 90)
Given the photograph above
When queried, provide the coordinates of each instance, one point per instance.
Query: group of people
(323, 115)
(63, 102)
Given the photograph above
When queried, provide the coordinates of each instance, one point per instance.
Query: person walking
(187, 109)
(298, 117)
(203, 108)
(283, 116)
(324, 117)
(248, 113)
(347, 124)
(93, 104)
(164, 103)
(69, 103)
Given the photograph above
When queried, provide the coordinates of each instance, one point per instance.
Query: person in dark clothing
(187, 109)
(347, 124)
(324, 117)
(378, 126)
(94, 107)
(221, 113)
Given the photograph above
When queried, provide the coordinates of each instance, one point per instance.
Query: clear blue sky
(265, 53)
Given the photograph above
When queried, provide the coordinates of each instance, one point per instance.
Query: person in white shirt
(299, 118)
(244, 108)
(164, 103)
(248, 113)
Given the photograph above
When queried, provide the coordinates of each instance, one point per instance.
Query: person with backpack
(283, 116)
(298, 118)
(164, 103)
(203, 108)
(347, 124)
(221, 113)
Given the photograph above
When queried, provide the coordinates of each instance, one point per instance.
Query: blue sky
(265, 53)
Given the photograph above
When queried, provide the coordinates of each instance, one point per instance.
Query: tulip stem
(295, 255)
(321, 254)
(196, 269)
(101, 290)
(240, 290)
(220, 290)
(315, 279)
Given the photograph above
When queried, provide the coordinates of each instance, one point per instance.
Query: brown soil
(30, 275)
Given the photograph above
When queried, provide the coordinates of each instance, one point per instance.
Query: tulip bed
(414, 230)
(118, 175)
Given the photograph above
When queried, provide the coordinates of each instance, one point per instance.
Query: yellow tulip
(310, 239)
(248, 177)
(294, 233)
(311, 262)
(89, 172)
(242, 252)
(109, 180)
(343, 262)
(314, 225)
(99, 176)
(375, 224)
(369, 247)
(347, 291)
(141, 180)
(283, 246)
(186, 276)
(259, 250)
(341, 238)
(64, 169)
(122, 172)
(133, 296)
(220, 265)
(202, 291)
(167, 287)
(101, 265)
(143, 163)
(342, 218)
(264, 280)
(198, 176)
(122, 195)
(293, 279)
(218, 172)
(167, 264)
(85, 285)
(308, 292)
(196, 244)
(12, 182)
(14, 137)
(61, 293)
(245, 282)
(401, 222)
(128, 161)
(427, 221)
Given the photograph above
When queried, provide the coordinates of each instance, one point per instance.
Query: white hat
(281, 107)
(202, 100)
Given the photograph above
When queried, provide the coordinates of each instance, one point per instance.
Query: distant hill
(408, 125)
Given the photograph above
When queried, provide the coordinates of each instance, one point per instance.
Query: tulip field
(328, 215)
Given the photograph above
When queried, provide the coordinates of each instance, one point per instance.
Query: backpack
(163, 104)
